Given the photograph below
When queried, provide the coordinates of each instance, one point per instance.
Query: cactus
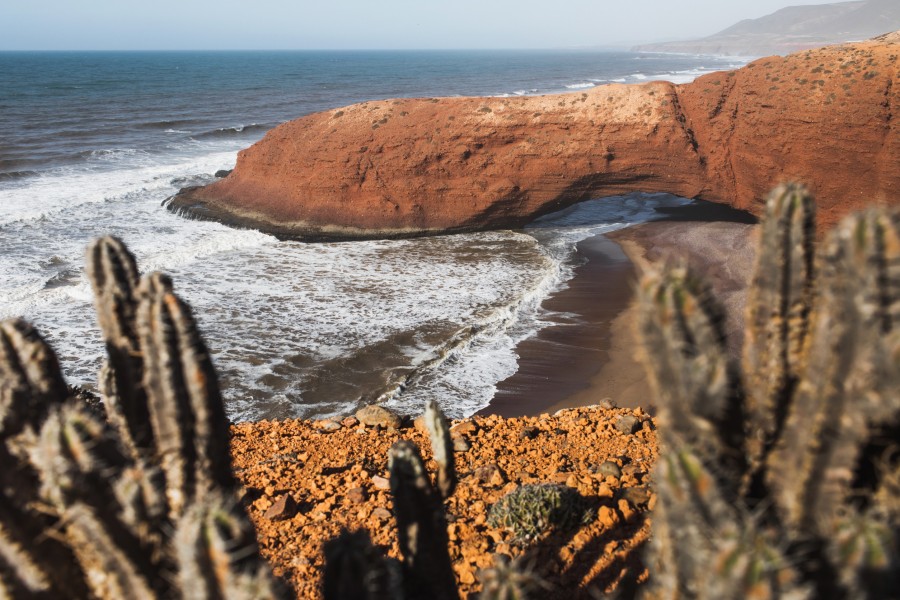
(779, 304)
(88, 509)
(421, 526)
(818, 414)
(113, 274)
(354, 568)
(697, 383)
(511, 580)
(441, 448)
(186, 408)
(530, 511)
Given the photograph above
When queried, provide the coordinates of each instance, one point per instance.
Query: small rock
(528, 433)
(284, 508)
(374, 415)
(608, 469)
(327, 425)
(350, 422)
(490, 475)
(632, 470)
(628, 424)
(464, 428)
(607, 403)
(637, 496)
(571, 481)
(466, 576)
(357, 495)
(223, 173)
(460, 444)
(381, 483)
(382, 514)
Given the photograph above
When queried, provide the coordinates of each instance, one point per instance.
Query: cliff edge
(418, 166)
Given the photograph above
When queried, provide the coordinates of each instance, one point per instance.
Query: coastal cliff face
(418, 166)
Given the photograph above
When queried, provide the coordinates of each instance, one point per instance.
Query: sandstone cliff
(418, 166)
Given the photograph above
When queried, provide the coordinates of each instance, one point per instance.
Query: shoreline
(588, 354)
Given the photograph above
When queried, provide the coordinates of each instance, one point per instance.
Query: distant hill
(795, 28)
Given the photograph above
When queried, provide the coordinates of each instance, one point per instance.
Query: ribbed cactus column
(113, 273)
(32, 564)
(186, 408)
(779, 305)
(421, 526)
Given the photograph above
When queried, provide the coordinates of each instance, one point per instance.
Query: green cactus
(821, 373)
(217, 554)
(113, 274)
(511, 580)
(107, 512)
(530, 511)
(421, 526)
(441, 448)
(186, 408)
(681, 325)
(779, 305)
(355, 569)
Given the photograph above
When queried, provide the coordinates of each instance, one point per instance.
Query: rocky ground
(306, 481)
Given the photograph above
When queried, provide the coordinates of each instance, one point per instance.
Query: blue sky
(352, 24)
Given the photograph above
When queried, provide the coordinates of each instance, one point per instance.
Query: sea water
(92, 143)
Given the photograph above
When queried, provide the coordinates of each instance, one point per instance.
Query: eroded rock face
(418, 166)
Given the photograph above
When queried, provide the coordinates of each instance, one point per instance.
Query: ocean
(93, 143)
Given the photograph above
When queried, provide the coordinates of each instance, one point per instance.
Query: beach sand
(589, 354)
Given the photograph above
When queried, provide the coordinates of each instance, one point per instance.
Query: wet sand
(588, 354)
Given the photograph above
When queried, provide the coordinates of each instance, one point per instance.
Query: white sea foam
(581, 86)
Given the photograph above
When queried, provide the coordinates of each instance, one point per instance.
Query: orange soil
(334, 479)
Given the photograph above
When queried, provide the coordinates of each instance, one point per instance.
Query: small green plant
(530, 511)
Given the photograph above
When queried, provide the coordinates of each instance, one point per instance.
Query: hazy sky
(327, 24)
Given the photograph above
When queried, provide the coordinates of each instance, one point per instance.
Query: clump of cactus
(142, 504)
(778, 477)
(532, 510)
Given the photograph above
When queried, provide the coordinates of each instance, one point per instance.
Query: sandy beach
(589, 354)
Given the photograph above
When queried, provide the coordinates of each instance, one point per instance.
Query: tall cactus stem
(422, 528)
(441, 447)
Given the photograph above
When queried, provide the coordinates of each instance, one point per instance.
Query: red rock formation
(414, 166)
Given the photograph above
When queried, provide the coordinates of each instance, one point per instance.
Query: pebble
(490, 475)
(628, 424)
(382, 514)
(357, 495)
(609, 469)
(528, 433)
(327, 426)
(284, 508)
(381, 483)
(464, 428)
(350, 422)
(638, 495)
